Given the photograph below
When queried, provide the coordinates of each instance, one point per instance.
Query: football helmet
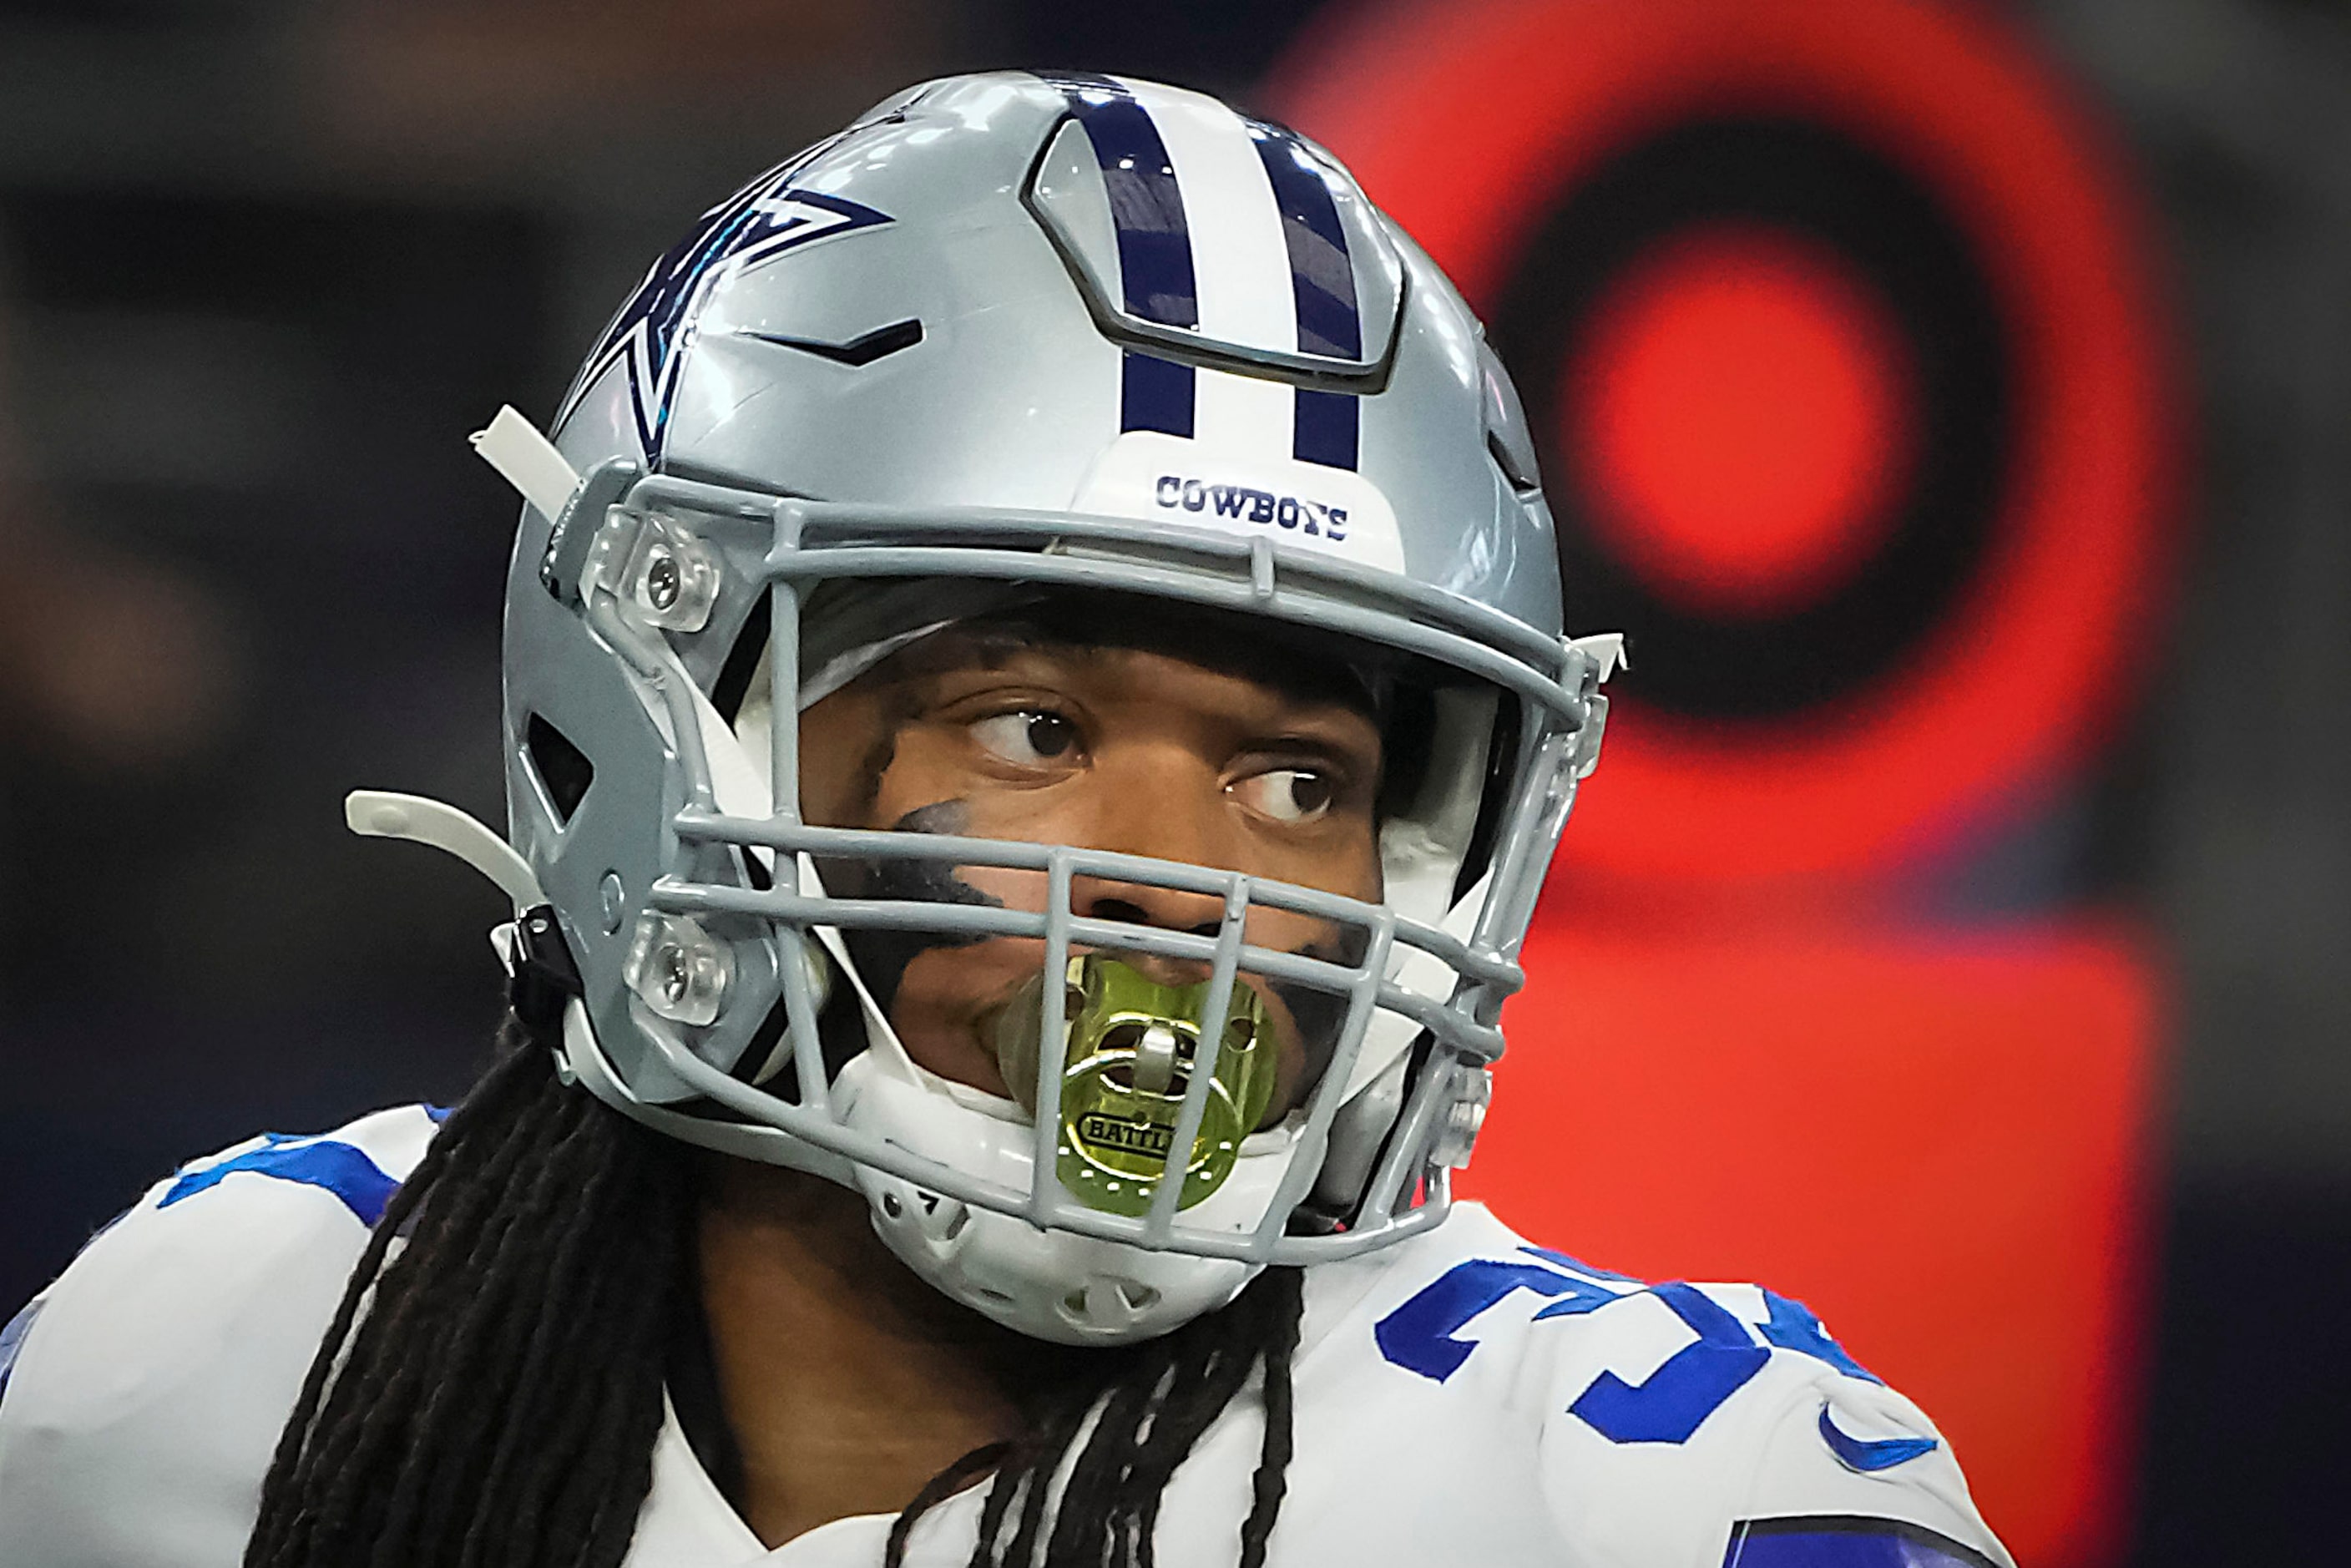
(1016, 334)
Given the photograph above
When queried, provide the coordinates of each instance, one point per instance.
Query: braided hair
(489, 1389)
(488, 1392)
(1134, 1434)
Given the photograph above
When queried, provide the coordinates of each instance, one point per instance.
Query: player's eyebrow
(1307, 693)
(994, 645)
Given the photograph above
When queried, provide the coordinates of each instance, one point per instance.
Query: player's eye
(1029, 737)
(1288, 794)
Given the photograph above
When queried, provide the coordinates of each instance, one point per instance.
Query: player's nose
(1156, 810)
(1143, 904)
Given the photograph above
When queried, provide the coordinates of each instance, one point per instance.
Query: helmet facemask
(709, 1002)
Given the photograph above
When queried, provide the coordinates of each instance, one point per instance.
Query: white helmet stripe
(1241, 264)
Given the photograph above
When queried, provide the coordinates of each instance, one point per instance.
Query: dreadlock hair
(1134, 1433)
(490, 1387)
(488, 1392)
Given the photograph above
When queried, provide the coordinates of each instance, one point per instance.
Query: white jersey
(1461, 1398)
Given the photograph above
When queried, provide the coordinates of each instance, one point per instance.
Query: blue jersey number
(1423, 1335)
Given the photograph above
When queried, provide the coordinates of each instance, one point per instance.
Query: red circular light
(1470, 120)
(1738, 415)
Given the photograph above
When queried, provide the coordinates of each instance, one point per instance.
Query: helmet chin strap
(527, 460)
(385, 814)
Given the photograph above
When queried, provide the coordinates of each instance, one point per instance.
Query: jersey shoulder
(1673, 1422)
(141, 1393)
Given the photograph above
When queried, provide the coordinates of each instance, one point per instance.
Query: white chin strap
(527, 460)
(386, 814)
(420, 820)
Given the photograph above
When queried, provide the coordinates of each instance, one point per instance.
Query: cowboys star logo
(654, 328)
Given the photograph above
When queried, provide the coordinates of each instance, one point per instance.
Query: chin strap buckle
(1592, 660)
(541, 978)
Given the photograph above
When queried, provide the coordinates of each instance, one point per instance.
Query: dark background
(263, 264)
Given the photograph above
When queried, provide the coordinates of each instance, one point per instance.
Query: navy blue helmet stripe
(1147, 206)
(1156, 395)
(1321, 275)
(1328, 428)
(1154, 244)
(1323, 282)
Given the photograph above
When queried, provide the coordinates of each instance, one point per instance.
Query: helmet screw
(661, 581)
(676, 974)
(609, 895)
(678, 969)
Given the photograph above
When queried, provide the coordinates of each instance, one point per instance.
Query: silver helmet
(1019, 334)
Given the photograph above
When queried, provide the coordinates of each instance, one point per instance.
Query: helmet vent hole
(1513, 471)
(891, 1206)
(564, 771)
(859, 351)
(1138, 1296)
(956, 1223)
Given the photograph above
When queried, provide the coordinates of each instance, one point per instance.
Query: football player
(1036, 714)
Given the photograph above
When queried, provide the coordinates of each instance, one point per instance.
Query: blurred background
(1951, 400)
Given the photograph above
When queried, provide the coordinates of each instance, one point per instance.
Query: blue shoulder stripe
(342, 1169)
(12, 1340)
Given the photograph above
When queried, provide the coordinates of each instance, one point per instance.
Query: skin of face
(1130, 751)
(847, 1382)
